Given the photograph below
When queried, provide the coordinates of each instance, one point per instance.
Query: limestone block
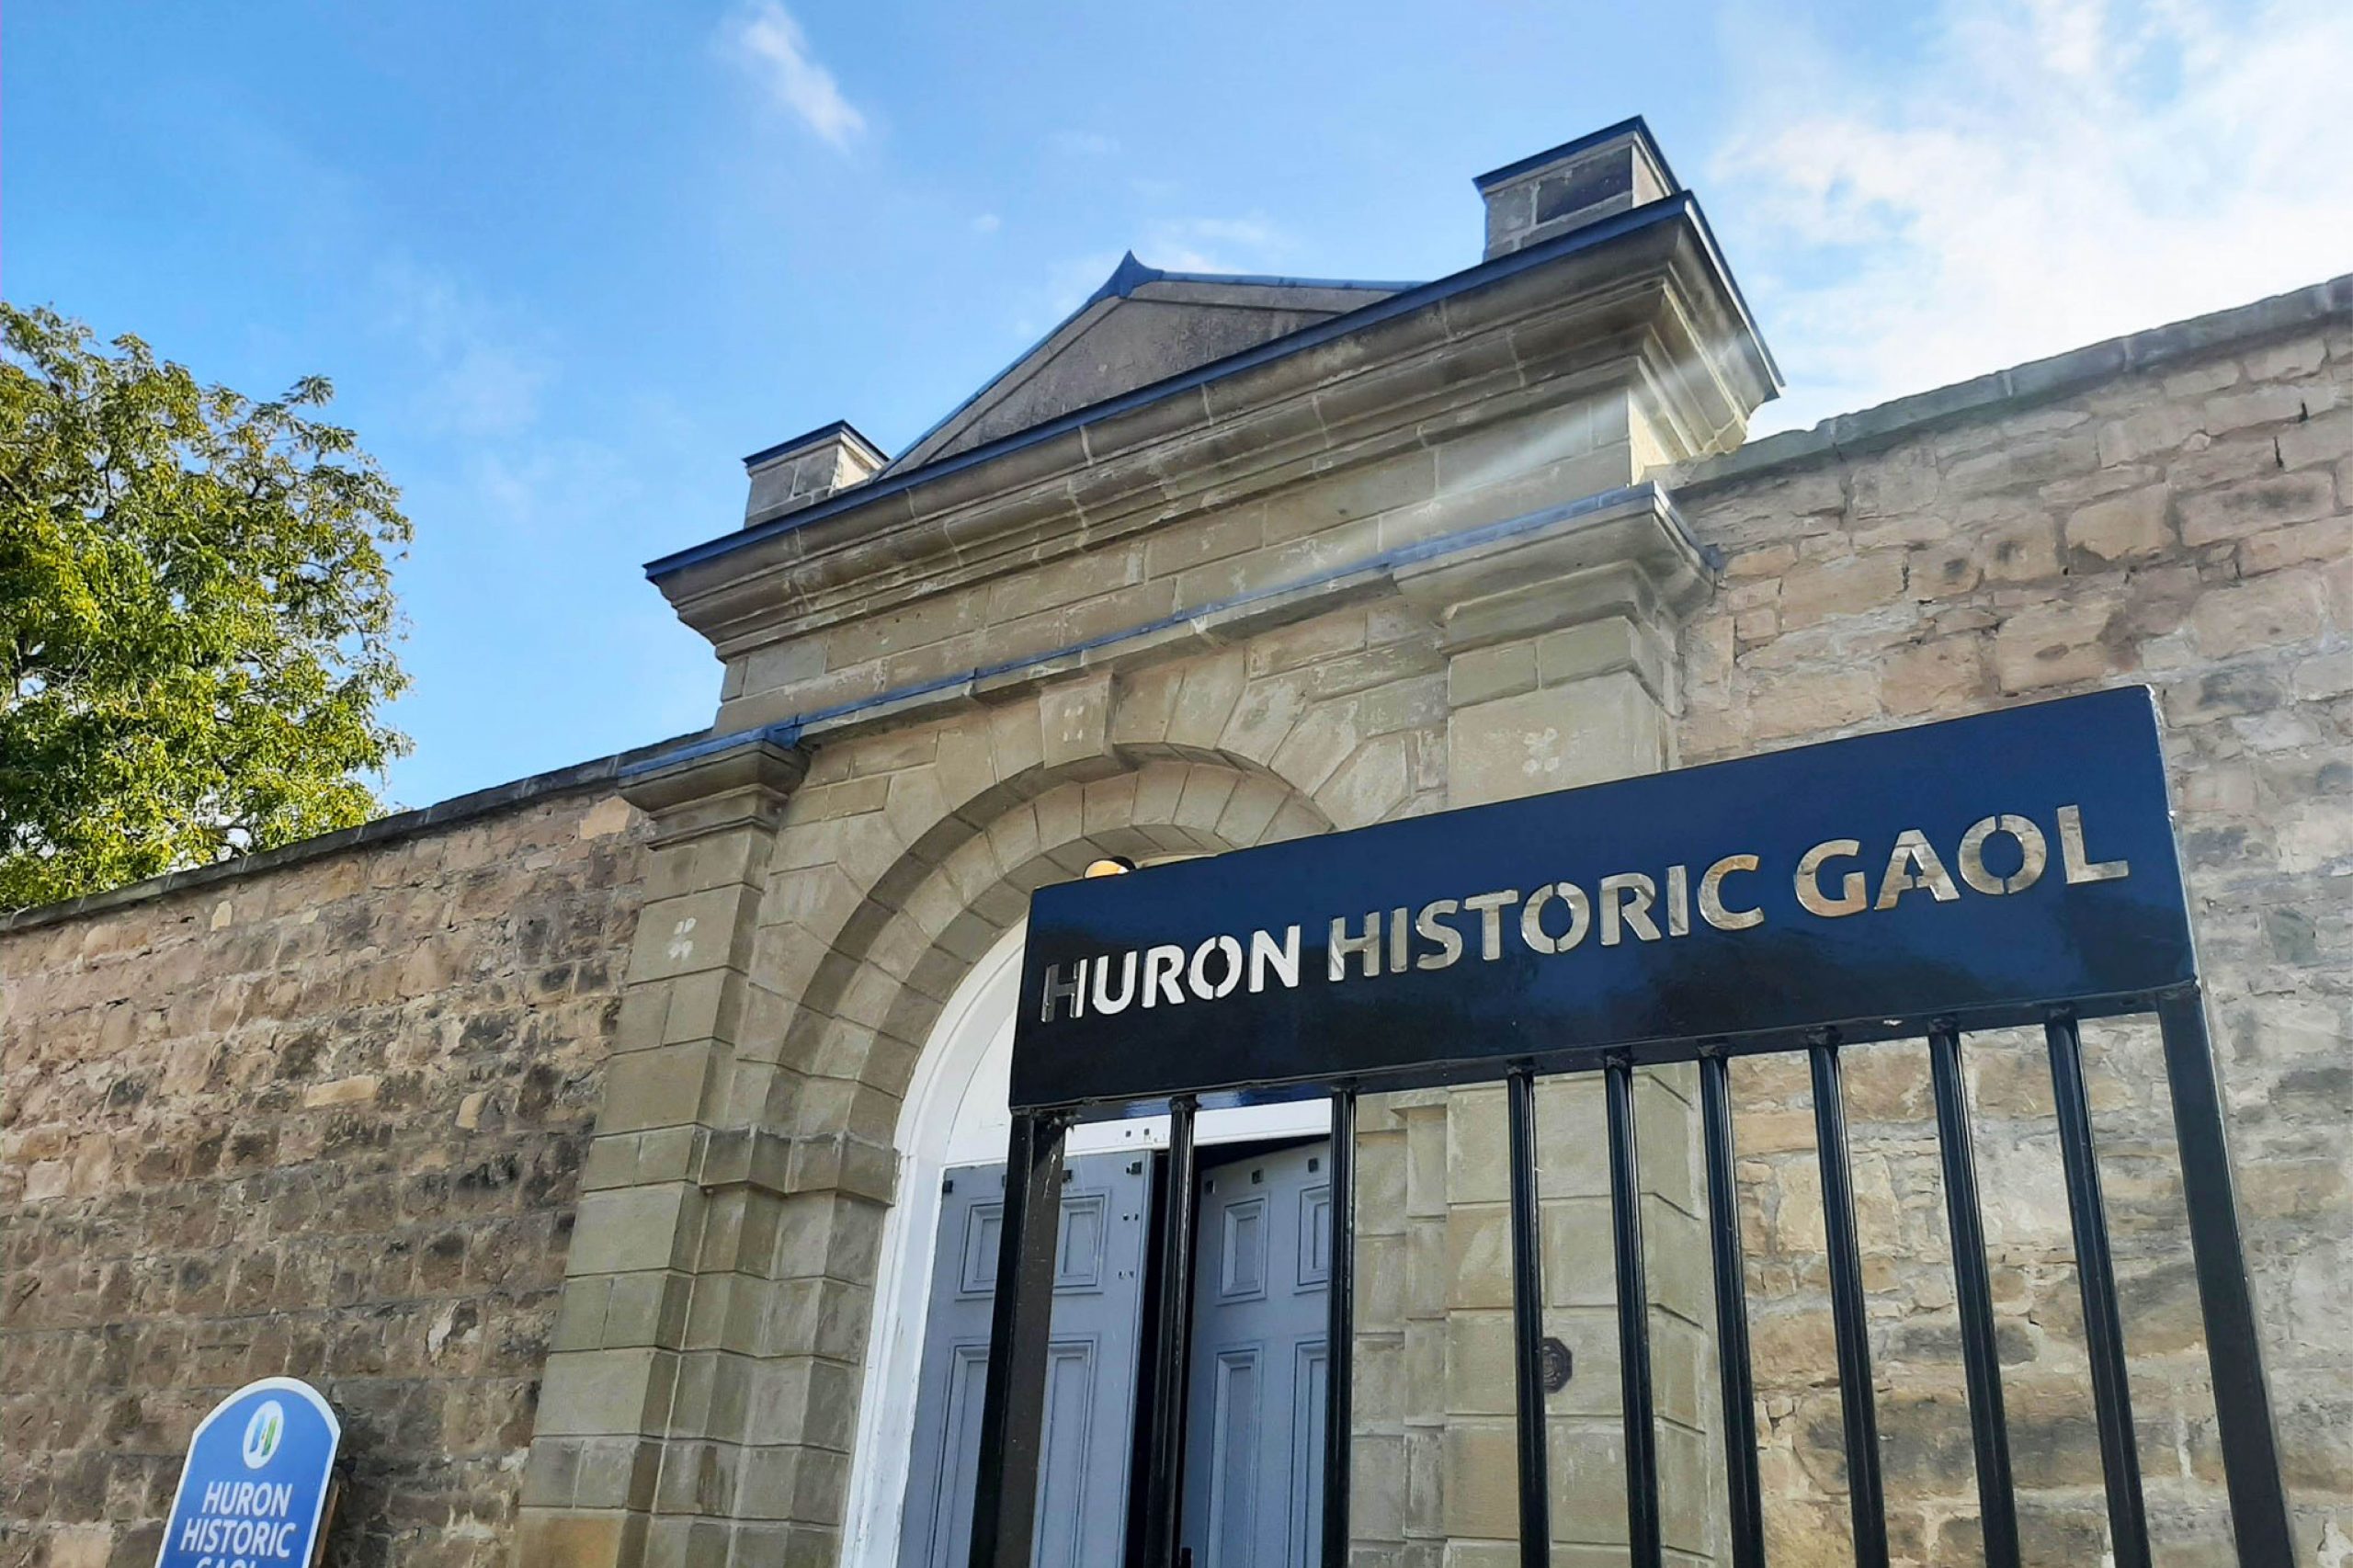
(1553, 739)
(2325, 440)
(2255, 505)
(1372, 783)
(1478, 1255)
(2055, 645)
(2327, 540)
(2123, 527)
(606, 1391)
(1813, 703)
(1482, 1480)
(2266, 613)
(1480, 1363)
(1944, 676)
(1848, 586)
(635, 1228)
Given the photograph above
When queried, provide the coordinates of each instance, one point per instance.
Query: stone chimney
(805, 470)
(1599, 175)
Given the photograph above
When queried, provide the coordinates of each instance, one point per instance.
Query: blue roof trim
(1679, 206)
(1739, 300)
(787, 732)
(1131, 275)
(1126, 279)
(811, 438)
(782, 734)
(1636, 125)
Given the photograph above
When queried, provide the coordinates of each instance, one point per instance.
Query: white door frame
(954, 1114)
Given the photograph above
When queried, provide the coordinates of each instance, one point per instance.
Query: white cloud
(987, 224)
(1212, 244)
(769, 42)
(1083, 144)
(472, 378)
(2044, 174)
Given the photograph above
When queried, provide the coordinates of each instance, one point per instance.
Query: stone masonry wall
(2185, 525)
(324, 1119)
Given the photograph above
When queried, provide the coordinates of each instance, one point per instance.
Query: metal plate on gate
(1977, 869)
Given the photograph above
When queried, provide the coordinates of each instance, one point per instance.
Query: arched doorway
(954, 1118)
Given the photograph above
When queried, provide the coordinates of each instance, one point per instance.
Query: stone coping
(2034, 381)
(605, 771)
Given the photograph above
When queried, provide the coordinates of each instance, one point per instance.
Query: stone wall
(2186, 525)
(329, 1116)
(322, 1117)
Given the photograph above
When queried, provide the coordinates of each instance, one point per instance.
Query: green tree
(197, 620)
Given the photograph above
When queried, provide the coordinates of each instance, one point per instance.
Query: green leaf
(196, 620)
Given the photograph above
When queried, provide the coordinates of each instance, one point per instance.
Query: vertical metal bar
(1866, 1497)
(2233, 1342)
(1339, 1332)
(1634, 1319)
(2096, 1277)
(1170, 1350)
(1013, 1405)
(1996, 1502)
(1527, 1322)
(1732, 1366)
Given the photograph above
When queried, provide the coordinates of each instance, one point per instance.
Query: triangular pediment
(1141, 326)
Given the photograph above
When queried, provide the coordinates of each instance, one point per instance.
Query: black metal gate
(1294, 970)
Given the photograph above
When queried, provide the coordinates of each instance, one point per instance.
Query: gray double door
(1253, 1481)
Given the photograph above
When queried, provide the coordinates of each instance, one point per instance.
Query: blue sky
(567, 263)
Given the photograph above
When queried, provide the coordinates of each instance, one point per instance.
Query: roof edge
(456, 811)
(811, 438)
(1683, 206)
(2025, 384)
(1130, 275)
(1632, 124)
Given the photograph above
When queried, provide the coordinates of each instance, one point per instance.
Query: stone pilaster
(1561, 646)
(642, 1447)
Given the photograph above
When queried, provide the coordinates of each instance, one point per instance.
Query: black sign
(1978, 870)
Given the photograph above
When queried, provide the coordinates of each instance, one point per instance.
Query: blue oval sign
(254, 1491)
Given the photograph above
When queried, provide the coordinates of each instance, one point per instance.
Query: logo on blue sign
(254, 1492)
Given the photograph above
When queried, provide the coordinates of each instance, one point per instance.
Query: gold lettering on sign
(1197, 976)
(1104, 1002)
(1712, 895)
(1850, 899)
(2035, 855)
(1626, 899)
(1531, 919)
(1281, 956)
(1343, 945)
(1914, 864)
(1073, 991)
(1162, 965)
(1678, 901)
(1431, 926)
(2081, 867)
(1490, 906)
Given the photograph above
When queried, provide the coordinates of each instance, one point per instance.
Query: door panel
(1091, 1367)
(1254, 1477)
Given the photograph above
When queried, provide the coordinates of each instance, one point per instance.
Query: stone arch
(903, 855)
(936, 913)
(876, 991)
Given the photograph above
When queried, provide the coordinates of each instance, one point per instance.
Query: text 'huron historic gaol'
(1332, 924)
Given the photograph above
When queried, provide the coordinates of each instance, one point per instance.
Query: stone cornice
(1624, 553)
(1634, 558)
(1639, 304)
(734, 781)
